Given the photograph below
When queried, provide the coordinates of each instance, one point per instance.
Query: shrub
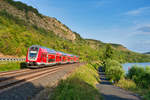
(113, 70)
(126, 84)
(135, 72)
(147, 95)
(147, 68)
(140, 76)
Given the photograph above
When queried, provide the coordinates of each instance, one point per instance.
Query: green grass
(8, 66)
(126, 84)
(79, 86)
(130, 85)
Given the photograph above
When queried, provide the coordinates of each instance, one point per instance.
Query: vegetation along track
(11, 79)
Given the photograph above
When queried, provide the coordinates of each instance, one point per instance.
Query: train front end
(32, 56)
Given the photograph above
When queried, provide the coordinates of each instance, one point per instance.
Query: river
(127, 66)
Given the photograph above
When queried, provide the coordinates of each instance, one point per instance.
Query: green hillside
(16, 35)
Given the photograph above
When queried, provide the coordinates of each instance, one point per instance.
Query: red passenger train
(38, 56)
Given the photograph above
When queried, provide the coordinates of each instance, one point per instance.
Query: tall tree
(109, 52)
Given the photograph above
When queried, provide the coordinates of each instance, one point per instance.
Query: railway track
(13, 72)
(14, 78)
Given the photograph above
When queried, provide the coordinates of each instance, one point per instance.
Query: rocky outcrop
(45, 22)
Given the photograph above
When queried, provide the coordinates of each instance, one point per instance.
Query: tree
(114, 70)
(109, 52)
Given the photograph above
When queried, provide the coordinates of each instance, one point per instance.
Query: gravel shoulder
(110, 92)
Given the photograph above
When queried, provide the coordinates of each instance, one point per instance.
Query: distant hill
(147, 53)
(22, 26)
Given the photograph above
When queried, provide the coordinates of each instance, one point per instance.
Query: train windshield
(33, 52)
(32, 55)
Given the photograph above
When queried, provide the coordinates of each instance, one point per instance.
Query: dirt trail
(110, 92)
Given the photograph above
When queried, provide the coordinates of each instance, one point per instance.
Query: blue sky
(124, 22)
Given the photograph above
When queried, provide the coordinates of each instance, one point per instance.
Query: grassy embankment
(8, 66)
(81, 85)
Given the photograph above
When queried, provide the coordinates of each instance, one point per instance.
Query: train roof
(53, 51)
(48, 49)
(59, 52)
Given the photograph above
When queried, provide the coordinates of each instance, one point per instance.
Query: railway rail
(14, 78)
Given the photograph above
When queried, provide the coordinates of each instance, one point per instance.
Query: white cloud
(138, 11)
(144, 29)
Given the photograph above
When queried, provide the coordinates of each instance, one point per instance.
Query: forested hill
(22, 26)
(147, 53)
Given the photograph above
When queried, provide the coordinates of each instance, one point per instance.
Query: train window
(51, 60)
(36, 49)
(32, 55)
(31, 48)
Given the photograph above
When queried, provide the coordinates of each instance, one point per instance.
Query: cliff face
(32, 17)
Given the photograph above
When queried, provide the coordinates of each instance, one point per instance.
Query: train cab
(40, 56)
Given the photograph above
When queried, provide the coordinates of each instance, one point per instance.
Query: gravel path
(110, 92)
(30, 89)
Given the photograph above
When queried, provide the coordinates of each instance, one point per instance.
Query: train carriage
(38, 56)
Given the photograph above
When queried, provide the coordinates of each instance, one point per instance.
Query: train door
(44, 58)
(57, 58)
(63, 59)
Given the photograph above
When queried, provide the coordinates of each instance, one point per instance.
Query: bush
(113, 70)
(147, 68)
(126, 84)
(140, 75)
(147, 96)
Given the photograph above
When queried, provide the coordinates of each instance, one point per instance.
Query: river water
(127, 66)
